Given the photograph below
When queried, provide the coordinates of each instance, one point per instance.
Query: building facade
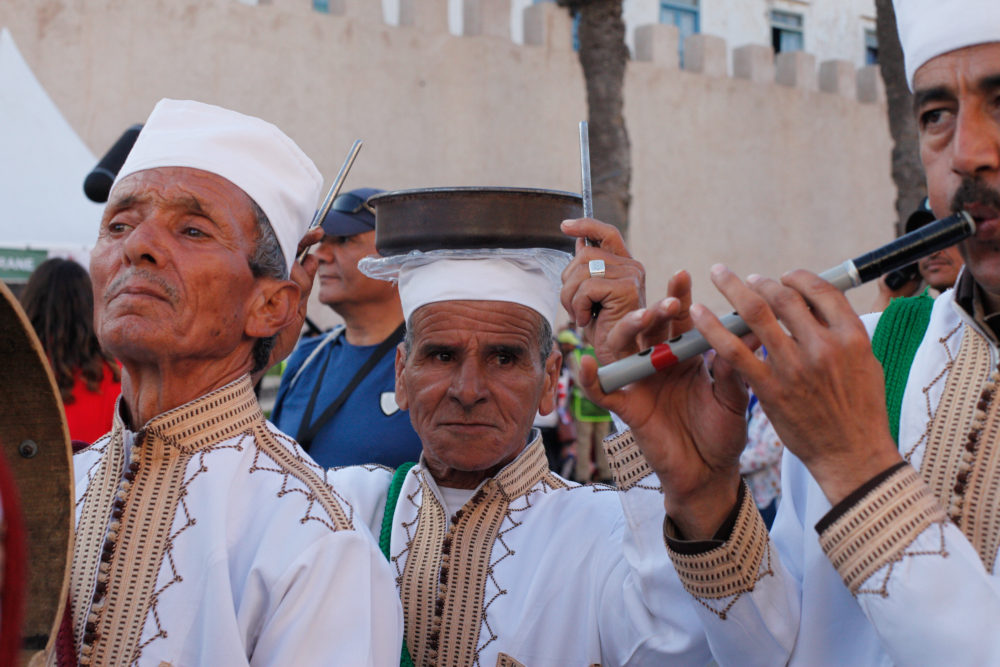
(763, 161)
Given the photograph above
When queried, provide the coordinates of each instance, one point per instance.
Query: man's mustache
(971, 191)
(143, 275)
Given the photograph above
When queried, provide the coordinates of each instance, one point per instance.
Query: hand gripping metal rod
(334, 191)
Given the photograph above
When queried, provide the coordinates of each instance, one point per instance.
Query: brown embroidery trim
(317, 491)
(733, 568)
(409, 527)
(126, 595)
(92, 529)
(883, 589)
(144, 540)
(962, 458)
(628, 463)
(449, 563)
(216, 416)
(879, 528)
(504, 660)
(944, 342)
(419, 586)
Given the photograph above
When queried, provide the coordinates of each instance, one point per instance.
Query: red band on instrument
(662, 357)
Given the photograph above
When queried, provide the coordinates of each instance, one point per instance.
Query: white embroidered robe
(535, 570)
(209, 538)
(909, 586)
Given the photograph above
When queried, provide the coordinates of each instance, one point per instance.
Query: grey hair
(544, 338)
(267, 262)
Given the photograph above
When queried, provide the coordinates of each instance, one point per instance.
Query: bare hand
(820, 385)
(689, 420)
(620, 291)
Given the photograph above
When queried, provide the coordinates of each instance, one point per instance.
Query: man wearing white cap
(337, 392)
(498, 560)
(204, 535)
(880, 553)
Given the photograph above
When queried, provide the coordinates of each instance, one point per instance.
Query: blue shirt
(369, 427)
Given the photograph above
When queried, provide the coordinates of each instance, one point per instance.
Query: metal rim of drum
(473, 217)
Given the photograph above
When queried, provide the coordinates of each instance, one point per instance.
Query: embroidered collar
(516, 478)
(968, 295)
(214, 417)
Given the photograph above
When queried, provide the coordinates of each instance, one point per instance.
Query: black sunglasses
(351, 203)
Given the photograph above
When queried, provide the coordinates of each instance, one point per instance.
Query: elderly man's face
(957, 101)
(473, 381)
(171, 269)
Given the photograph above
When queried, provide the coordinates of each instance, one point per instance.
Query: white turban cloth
(929, 28)
(250, 153)
(530, 277)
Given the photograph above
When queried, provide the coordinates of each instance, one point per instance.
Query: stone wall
(785, 163)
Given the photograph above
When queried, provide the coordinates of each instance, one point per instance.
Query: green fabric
(585, 410)
(385, 535)
(897, 336)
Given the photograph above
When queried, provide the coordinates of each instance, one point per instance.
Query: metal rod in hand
(587, 190)
(334, 191)
(853, 272)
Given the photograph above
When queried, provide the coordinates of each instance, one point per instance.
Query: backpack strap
(385, 534)
(897, 336)
(328, 338)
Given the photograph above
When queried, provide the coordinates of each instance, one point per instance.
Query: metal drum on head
(472, 217)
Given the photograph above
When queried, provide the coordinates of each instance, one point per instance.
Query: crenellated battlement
(760, 161)
(549, 26)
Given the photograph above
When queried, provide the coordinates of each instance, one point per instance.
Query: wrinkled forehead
(470, 318)
(971, 66)
(178, 184)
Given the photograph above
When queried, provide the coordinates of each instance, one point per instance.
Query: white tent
(42, 166)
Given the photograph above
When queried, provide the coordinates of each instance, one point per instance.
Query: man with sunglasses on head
(337, 394)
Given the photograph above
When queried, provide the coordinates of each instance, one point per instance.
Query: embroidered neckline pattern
(91, 551)
(132, 513)
(926, 391)
(450, 563)
(961, 463)
(291, 465)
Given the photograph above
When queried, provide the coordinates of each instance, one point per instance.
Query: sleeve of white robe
(746, 590)
(645, 617)
(337, 605)
(893, 555)
(917, 578)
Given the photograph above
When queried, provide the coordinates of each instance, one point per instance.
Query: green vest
(897, 336)
(585, 410)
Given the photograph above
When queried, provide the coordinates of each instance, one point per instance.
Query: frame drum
(36, 451)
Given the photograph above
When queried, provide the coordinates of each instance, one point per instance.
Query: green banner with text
(17, 264)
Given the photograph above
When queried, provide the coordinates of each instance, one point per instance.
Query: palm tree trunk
(907, 171)
(603, 56)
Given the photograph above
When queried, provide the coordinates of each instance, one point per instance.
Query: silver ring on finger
(596, 268)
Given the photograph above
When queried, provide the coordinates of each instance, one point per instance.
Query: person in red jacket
(59, 302)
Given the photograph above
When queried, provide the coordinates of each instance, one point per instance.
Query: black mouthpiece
(915, 245)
